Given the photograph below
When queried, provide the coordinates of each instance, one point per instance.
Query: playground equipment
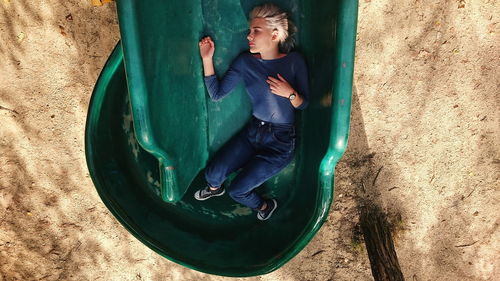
(151, 128)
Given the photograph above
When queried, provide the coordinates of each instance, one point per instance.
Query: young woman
(277, 82)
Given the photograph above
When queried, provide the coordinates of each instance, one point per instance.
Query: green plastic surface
(151, 129)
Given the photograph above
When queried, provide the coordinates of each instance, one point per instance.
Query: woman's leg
(276, 153)
(261, 168)
(232, 156)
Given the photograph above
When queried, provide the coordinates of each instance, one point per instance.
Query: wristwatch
(292, 96)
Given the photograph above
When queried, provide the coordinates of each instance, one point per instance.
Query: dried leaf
(21, 36)
(100, 2)
(96, 3)
(491, 28)
(61, 28)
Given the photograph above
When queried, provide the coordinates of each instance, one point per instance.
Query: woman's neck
(271, 54)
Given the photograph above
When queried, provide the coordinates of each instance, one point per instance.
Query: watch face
(291, 97)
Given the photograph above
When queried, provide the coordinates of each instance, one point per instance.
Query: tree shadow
(437, 107)
(338, 250)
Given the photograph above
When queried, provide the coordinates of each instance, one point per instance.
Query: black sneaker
(268, 211)
(204, 194)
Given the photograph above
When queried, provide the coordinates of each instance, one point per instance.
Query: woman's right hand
(207, 47)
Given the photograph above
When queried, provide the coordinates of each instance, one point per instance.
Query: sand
(425, 114)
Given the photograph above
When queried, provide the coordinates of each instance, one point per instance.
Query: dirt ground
(425, 115)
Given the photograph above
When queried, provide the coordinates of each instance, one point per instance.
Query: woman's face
(260, 37)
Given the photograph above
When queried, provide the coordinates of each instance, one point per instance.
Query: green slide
(151, 129)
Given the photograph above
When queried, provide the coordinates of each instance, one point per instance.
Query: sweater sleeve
(302, 78)
(217, 89)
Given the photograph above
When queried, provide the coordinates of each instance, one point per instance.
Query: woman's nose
(249, 37)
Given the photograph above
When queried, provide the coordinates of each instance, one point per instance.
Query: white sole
(270, 214)
(203, 199)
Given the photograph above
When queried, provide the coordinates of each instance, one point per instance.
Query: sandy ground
(425, 114)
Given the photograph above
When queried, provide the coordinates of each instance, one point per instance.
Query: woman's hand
(207, 47)
(280, 86)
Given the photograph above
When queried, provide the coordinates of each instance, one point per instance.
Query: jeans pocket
(284, 138)
(281, 137)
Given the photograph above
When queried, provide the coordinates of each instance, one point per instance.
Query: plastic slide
(151, 129)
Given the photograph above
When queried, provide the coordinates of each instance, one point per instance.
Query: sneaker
(268, 211)
(204, 194)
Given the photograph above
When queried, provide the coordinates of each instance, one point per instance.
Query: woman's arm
(208, 67)
(302, 78)
(218, 89)
(281, 87)
(299, 99)
(207, 49)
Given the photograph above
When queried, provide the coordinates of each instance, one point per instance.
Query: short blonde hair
(278, 20)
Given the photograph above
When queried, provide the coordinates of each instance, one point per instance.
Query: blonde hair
(278, 20)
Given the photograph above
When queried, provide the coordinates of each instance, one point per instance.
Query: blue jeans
(262, 150)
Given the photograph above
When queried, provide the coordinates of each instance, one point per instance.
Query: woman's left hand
(280, 86)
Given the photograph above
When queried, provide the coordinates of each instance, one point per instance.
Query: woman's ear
(274, 34)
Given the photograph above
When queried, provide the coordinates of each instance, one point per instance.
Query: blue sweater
(254, 72)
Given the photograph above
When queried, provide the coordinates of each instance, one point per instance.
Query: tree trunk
(379, 244)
